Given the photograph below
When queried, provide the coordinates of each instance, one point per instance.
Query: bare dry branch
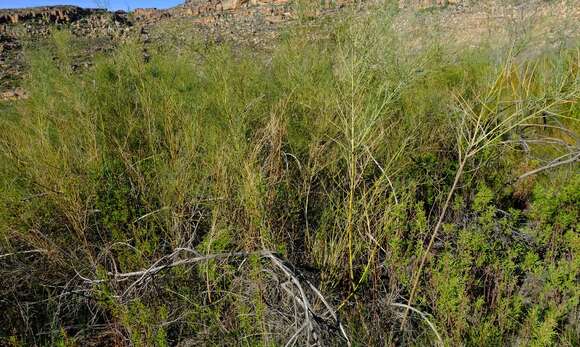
(302, 298)
(574, 158)
(23, 252)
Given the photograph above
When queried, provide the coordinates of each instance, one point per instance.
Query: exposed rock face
(47, 15)
(148, 14)
(277, 9)
(10, 66)
(208, 7)
(39, 20)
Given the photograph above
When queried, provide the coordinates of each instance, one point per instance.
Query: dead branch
(555, 163)
(302, 298)
(23, 252)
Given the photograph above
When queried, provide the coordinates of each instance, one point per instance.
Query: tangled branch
(311, 319)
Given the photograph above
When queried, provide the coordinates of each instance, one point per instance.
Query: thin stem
(575, 157)
(432, 240)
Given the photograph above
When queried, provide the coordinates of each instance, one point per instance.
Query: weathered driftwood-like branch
(302, 298)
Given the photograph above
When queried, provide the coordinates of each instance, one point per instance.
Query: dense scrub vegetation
(386, 175)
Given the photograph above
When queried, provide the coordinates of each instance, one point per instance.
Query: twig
(424, 316)
(305, 302)
(155, 269)
(331, 311)
(384, 174)
(23, 252)
(302, 298)
(553, 164)
(433, 236)
(292, 339)
(151, 213)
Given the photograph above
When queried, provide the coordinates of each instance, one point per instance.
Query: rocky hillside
(258, 22)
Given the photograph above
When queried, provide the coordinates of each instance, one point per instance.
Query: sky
(111, 4)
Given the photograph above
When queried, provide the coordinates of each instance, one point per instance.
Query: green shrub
(338, 153)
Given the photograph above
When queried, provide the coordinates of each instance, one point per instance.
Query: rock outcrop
(37, 19)
(52, 15)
